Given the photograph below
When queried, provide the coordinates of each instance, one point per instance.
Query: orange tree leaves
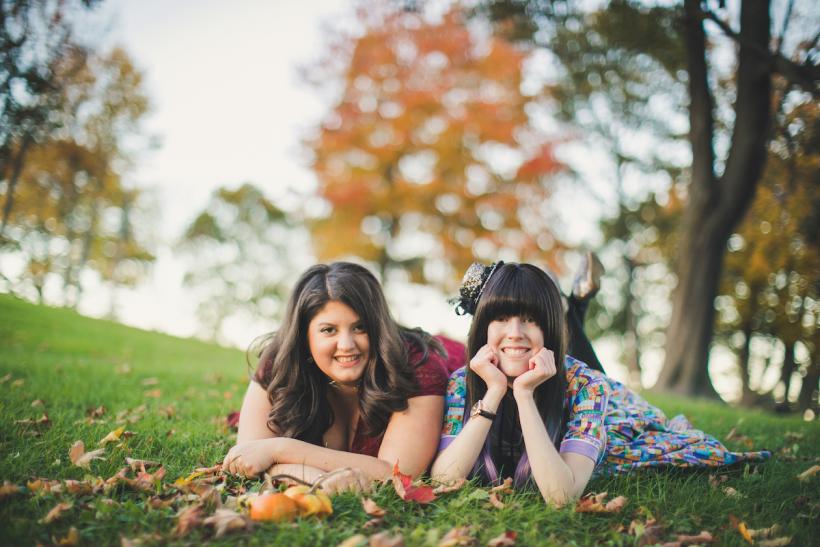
(429, 153)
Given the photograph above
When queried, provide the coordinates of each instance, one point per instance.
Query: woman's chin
(514, 369)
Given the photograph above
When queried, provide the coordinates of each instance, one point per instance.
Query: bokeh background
(176, 165)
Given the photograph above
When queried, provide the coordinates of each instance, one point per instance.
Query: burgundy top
(431, 375)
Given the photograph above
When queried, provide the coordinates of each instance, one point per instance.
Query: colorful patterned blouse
(613, 426)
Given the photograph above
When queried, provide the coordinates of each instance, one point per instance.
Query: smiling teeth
(516, 352)
(349, 359)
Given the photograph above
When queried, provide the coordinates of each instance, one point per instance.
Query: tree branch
(803, 76)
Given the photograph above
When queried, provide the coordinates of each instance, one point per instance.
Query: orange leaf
(56, 512)
(385, 539)
(594, 503)
(407, 491)
(372, 508)
(741, 528)
(8, 489)
(81, 458)
(497, 503)
(460, 535)
(504, 540)
(71, 539)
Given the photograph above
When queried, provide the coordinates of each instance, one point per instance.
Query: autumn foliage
(429, 154)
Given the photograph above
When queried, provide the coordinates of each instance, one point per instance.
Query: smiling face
(339, 343)
(516, 339)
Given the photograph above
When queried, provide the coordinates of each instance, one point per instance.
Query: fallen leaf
(763, 533)
(232, 420)
(147, 482)
(407, 491)
(504, 540)
(647, 533)
(188, 518)
(78, 487)
(18, 382)
(775, 542)
(806, 475)
(371, 508)
(137, 465)
(124, 368)
(225, 520)
(72, 538)
(95, 413)
(150, 382)
(5, 378)
(9, 489)
(460, 535)
(357, 540)
(717, 480)
(740, 526)
(112, 436)
(153, 393)
(497, 503)
(505, 486)
(375, 522)
(385, 539)
(81, 458)
(42, 421)
(56, 512)
(594, 503)
(44, 486)
(37, 403)
(449, 487)
(731, 492)
(699, 539)
(168, 411)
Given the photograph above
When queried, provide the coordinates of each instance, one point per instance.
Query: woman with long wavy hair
(341, 385)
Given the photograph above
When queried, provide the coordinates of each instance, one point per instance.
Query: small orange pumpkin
(274, 507)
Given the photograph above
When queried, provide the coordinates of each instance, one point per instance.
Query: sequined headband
(472, 286)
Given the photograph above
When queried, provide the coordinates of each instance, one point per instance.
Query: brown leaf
(137, 465)
(357, 540)
(460, 535)
(150, 382)
(9, 489)
(72, 539)
(504, 540)
(56, 512)
(385, 539)
(594, 503)
(763, 533)
(775, 542)
(168, 411)
(225, 520)
(42, 421)
(647, 533)
(95, 413)
(153, 393)
(372, 508)
(78, 487)
(497, 503)
(731, 492)
(806, 475)
(81, 458)
(37, 403)
(373, 523)
(188, 518)
(505, 487)
(449, 487)
(717, 480)
(699, 539)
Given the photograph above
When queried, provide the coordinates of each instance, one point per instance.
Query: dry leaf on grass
(225, 520)
(354, 541)
(137, 465)
(56, 512)
(95, 413)
(808, 473)
(717, 480)
(740, 526)
(112, 436)
(42, 421)
(449, 487)
(647, 533)
(504, 540)
(188, 518)
(594, 503)
(497, 503)
(385, 539)
(407, 491)
(731, 492)
(505, 486)
(460, 535)
(71, 539)
(150, 382)
(153, 393)
(37, 403)
(775, 542)
(5, 378)
(8, 489)
(78, 488)
(766, 536)
(372, 508)
(684, 540)
(81, 458)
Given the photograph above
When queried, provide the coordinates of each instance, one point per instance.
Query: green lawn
(72, 364)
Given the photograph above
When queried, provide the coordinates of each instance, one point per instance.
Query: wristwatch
(479, 410)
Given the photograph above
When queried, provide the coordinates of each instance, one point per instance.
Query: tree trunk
(715, 206)
(632, 349)
(14, 177)
(747, 397)
(809, 390)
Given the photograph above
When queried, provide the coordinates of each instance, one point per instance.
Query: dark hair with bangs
(522, 290)
(295, 385)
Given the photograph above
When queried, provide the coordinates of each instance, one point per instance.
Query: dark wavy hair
(297, 389)
(522, 290)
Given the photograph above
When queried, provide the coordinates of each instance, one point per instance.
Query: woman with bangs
(524, 408)
(341, 386)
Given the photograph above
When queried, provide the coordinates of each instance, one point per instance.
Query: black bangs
(518, 290)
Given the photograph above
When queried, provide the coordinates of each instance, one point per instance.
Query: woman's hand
(542, 368)
(345, 480)
(485, 364)
(251, 458)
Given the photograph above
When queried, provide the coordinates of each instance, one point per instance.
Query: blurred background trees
(456, 132)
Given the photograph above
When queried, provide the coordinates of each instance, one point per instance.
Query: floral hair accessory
(472, 285)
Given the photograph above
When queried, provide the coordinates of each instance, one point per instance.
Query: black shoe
(587, 281)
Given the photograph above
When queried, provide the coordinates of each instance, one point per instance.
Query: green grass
(73, 364)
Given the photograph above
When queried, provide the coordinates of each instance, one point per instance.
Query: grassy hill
(173, 395)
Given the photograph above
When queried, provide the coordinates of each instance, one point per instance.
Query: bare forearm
(306, 473)
(293, 451)
(456, 461)
(554, 478)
